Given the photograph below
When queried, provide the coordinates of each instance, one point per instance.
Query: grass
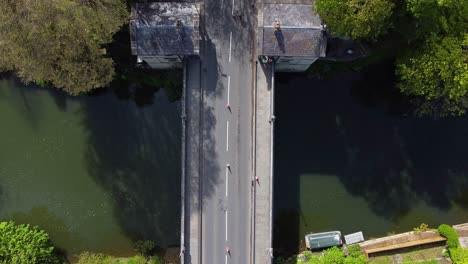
(414, 255)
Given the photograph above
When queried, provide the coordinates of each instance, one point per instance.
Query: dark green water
(97, 173)
(346, 159)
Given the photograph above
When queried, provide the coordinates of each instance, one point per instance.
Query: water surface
(96, 172)
(347, 159)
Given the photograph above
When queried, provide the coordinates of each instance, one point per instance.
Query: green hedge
(451, 235)
(459, 255)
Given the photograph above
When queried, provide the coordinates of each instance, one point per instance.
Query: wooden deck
(400, 241)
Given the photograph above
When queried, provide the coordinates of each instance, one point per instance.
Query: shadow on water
(354, 126)
(134, 153)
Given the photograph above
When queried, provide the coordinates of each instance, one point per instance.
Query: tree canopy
(359, 19)
(431, 49)
(434, 69)
(441, 17)
(438, 72)
(23, 244)
(60, 42)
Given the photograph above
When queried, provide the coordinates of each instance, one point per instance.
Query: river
(348, 158)
(96, 172)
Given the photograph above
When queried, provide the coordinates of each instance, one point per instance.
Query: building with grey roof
(162, 33)
(293, 35)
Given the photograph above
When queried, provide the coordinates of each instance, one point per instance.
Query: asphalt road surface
(226, 54)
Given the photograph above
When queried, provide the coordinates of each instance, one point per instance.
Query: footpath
(263, 167)
(191, 156)
(263, 154)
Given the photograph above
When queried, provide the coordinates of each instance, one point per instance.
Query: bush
(94, 258)
(136, 260)
(332, 255)
(421, 228)
(98, 258)
(144, 248)
(25, 244)
(459, 255)
(355, 255)
(451, 235)
(156, 260)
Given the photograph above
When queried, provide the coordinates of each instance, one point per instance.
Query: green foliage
(137, 260)
(94, 258)
(61, 41)
(144, 248)
(434, 70)
(332, 255)
(459, 255)
(98, 258)
(438, 73)
(422, 228)
(429, 40)
(24, 244)
(156, 260)
(451, 235)
(441, 17)
(360, 19)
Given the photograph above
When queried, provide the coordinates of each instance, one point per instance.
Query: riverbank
(422, 245)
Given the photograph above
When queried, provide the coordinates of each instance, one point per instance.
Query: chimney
(277, 25)
(178, 24)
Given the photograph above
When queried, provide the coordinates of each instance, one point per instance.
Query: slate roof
(300, 35)
(155, 31)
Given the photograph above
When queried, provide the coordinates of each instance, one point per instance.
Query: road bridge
(227, 134)
(227, 111)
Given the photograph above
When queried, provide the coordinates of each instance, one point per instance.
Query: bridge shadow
(347, 127)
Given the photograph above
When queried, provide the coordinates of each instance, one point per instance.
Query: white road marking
(226, 215)
(227, 136)
(227, 182)
(230, 46)
(232, 11)
(225, 259)
(229, 88)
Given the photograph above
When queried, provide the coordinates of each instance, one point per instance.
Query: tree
(60, 42)
(441, 17)
(437, 73)
(360, 19)
(22, 244)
